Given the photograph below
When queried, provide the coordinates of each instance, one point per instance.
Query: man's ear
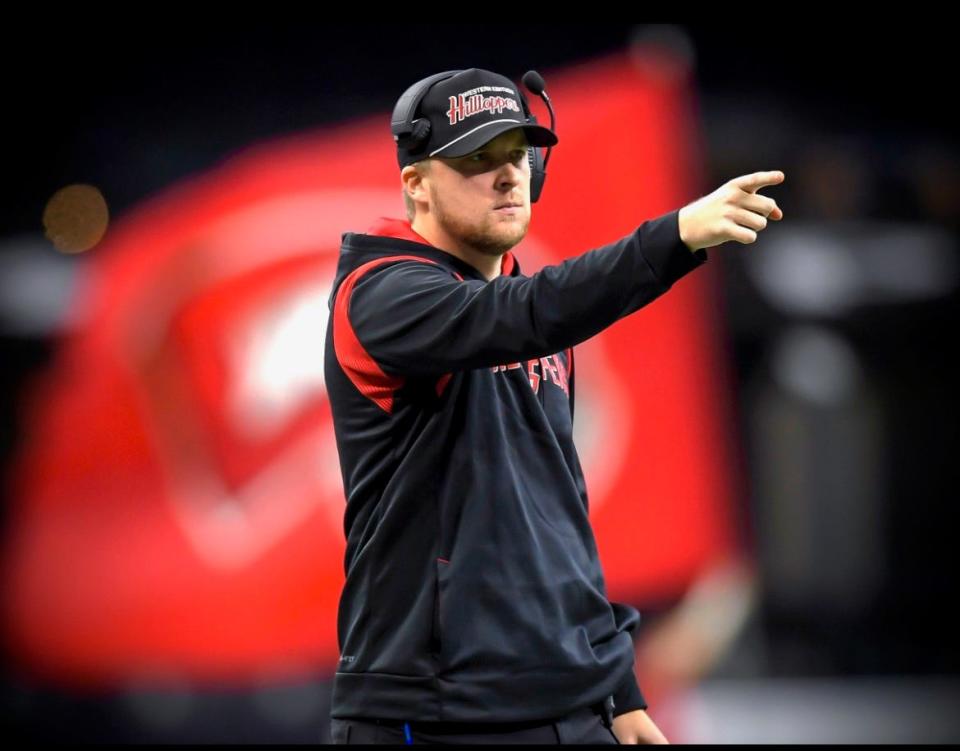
(412, 179)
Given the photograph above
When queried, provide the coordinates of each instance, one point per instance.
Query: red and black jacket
(473, 590)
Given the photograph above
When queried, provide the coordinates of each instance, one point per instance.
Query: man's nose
(509, 175)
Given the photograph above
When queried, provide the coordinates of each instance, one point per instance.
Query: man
(474, 606)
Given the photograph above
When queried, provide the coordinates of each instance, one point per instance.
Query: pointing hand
(734, 211)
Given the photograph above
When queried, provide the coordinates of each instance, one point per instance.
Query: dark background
(848, 113)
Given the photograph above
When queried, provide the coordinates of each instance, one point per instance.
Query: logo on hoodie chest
(539, 369)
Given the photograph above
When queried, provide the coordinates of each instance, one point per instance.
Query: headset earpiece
(418, 135)
(538, 175)
(409, 134)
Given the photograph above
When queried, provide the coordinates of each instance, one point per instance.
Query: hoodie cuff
(668, 256)
(627, 698)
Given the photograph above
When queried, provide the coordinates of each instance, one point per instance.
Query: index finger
(756, 180)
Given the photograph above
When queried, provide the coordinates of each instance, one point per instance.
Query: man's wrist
(681, 226)
(628, 697)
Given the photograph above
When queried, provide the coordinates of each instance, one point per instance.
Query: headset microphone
(538, 164)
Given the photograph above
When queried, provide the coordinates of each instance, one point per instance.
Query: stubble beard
(484, 239)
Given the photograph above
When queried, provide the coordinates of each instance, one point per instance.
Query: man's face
(466, 194)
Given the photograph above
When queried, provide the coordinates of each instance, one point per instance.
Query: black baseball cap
(465, 111)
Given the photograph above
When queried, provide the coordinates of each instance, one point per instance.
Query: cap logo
(473, 102)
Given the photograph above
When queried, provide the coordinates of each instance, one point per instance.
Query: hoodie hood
(390, 237)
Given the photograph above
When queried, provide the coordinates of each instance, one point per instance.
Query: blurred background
(778, 501)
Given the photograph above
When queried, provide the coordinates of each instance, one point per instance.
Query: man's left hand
(637, 727)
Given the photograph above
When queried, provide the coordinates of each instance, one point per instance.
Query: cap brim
(537, 135)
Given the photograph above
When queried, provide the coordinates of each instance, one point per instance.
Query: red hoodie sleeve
(415, 319)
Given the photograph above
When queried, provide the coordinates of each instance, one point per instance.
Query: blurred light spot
(75, 218)
(816, 366)
(830, 268)
(277, 365)
(834, 179)
(293, 705)
(36, 287)
(161, 703)
(845, 709)
(935, 173)
(808, 272)
(663, 52)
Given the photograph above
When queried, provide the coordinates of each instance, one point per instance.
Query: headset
(412, 133)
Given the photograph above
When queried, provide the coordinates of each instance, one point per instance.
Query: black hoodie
(473, 590)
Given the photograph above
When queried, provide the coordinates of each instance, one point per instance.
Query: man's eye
(482, 156)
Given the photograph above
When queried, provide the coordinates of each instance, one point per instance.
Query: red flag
(178, 499)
